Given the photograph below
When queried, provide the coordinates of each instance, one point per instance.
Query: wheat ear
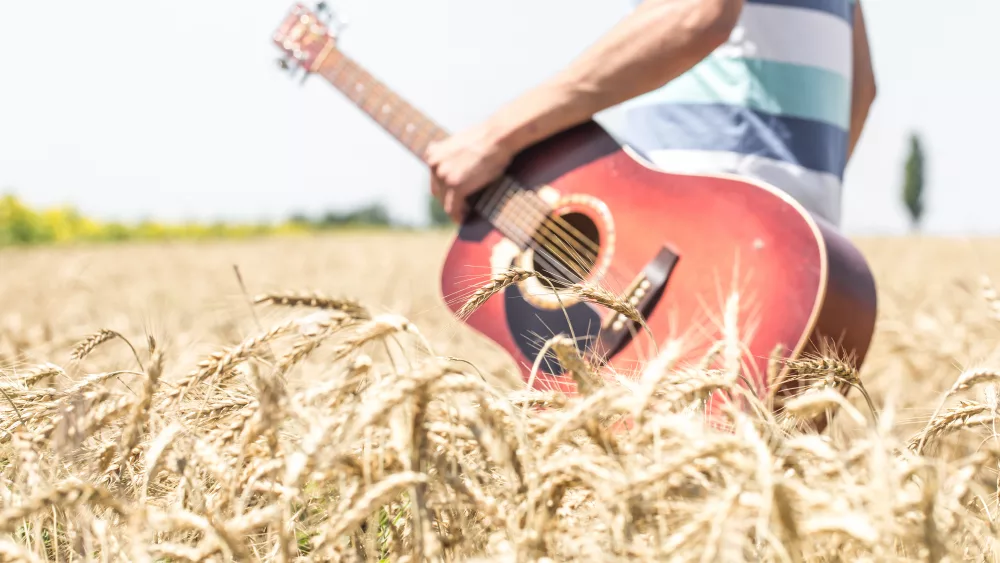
(495, 285)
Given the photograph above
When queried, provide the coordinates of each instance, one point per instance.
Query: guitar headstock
(306, 37)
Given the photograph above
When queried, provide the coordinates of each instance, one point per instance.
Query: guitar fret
(409, 131)
(395, 115)
(357, 93)
(338, 68)
(365, 94)
(376, 99)
(420, 138)
(385, 113)
(345, 77)
(396, 122)
(421, 141)
(496, 198)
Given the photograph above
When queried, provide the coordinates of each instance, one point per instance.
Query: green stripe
(782, 89)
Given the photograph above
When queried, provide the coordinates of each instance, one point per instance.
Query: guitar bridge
(643, 293)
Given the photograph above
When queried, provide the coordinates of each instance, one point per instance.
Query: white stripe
(818, 192)
(791, 35)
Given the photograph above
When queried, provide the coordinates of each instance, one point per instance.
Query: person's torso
(772, 103)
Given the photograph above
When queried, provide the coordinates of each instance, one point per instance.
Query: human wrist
(504, 130)
(531, 118)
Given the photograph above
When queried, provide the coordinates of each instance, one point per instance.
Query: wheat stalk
(378, 452)
(67, 493)
(601, 296)
(316, 300)
(89, 344)
(492, 287)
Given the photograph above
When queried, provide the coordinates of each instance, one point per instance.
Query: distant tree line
(20, 224)
(374, 214)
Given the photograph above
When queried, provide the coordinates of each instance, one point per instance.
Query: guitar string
(563, 262)
(540, 220)
(554, 263)
(497, 211)
(612, 270)
(423, 123)
(541, 216)
(418, 129)
(538, 223)
(511, 182)
(523, 225)
(544, 219)
(362, 102)
(519, 219)
(544, 228)
(424, 126)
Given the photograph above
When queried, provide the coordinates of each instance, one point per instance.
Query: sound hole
(567, 249)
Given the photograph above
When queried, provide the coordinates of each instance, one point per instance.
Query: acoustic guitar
(580, 207)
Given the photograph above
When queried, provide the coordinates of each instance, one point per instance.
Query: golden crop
(152, 410)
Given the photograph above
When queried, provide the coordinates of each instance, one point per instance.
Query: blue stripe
(771, 87)
(813, 145)
(843, 9)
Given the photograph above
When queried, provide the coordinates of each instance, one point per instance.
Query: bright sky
(176, 110)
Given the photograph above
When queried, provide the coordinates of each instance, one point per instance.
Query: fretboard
(516, 212)
(394, 114)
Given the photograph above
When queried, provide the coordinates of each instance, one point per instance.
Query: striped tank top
(773, 103)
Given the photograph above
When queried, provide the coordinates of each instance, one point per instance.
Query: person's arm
(863, 95)
(657, 42)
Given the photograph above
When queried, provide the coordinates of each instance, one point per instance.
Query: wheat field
(157, 407)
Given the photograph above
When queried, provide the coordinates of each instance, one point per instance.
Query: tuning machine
(330, 19)
(324, 13)
(293, 69)
(306, 37)
(287, 64)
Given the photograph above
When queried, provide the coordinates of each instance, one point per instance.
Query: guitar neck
(513, 210)
(396, 116)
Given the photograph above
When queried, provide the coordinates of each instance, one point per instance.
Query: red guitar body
(801, 284)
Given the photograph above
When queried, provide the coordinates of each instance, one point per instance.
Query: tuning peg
(285, 64)
(329, 18)
(292, 69)
(323, 12)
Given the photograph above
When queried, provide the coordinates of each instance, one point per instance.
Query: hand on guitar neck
(463, 163)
